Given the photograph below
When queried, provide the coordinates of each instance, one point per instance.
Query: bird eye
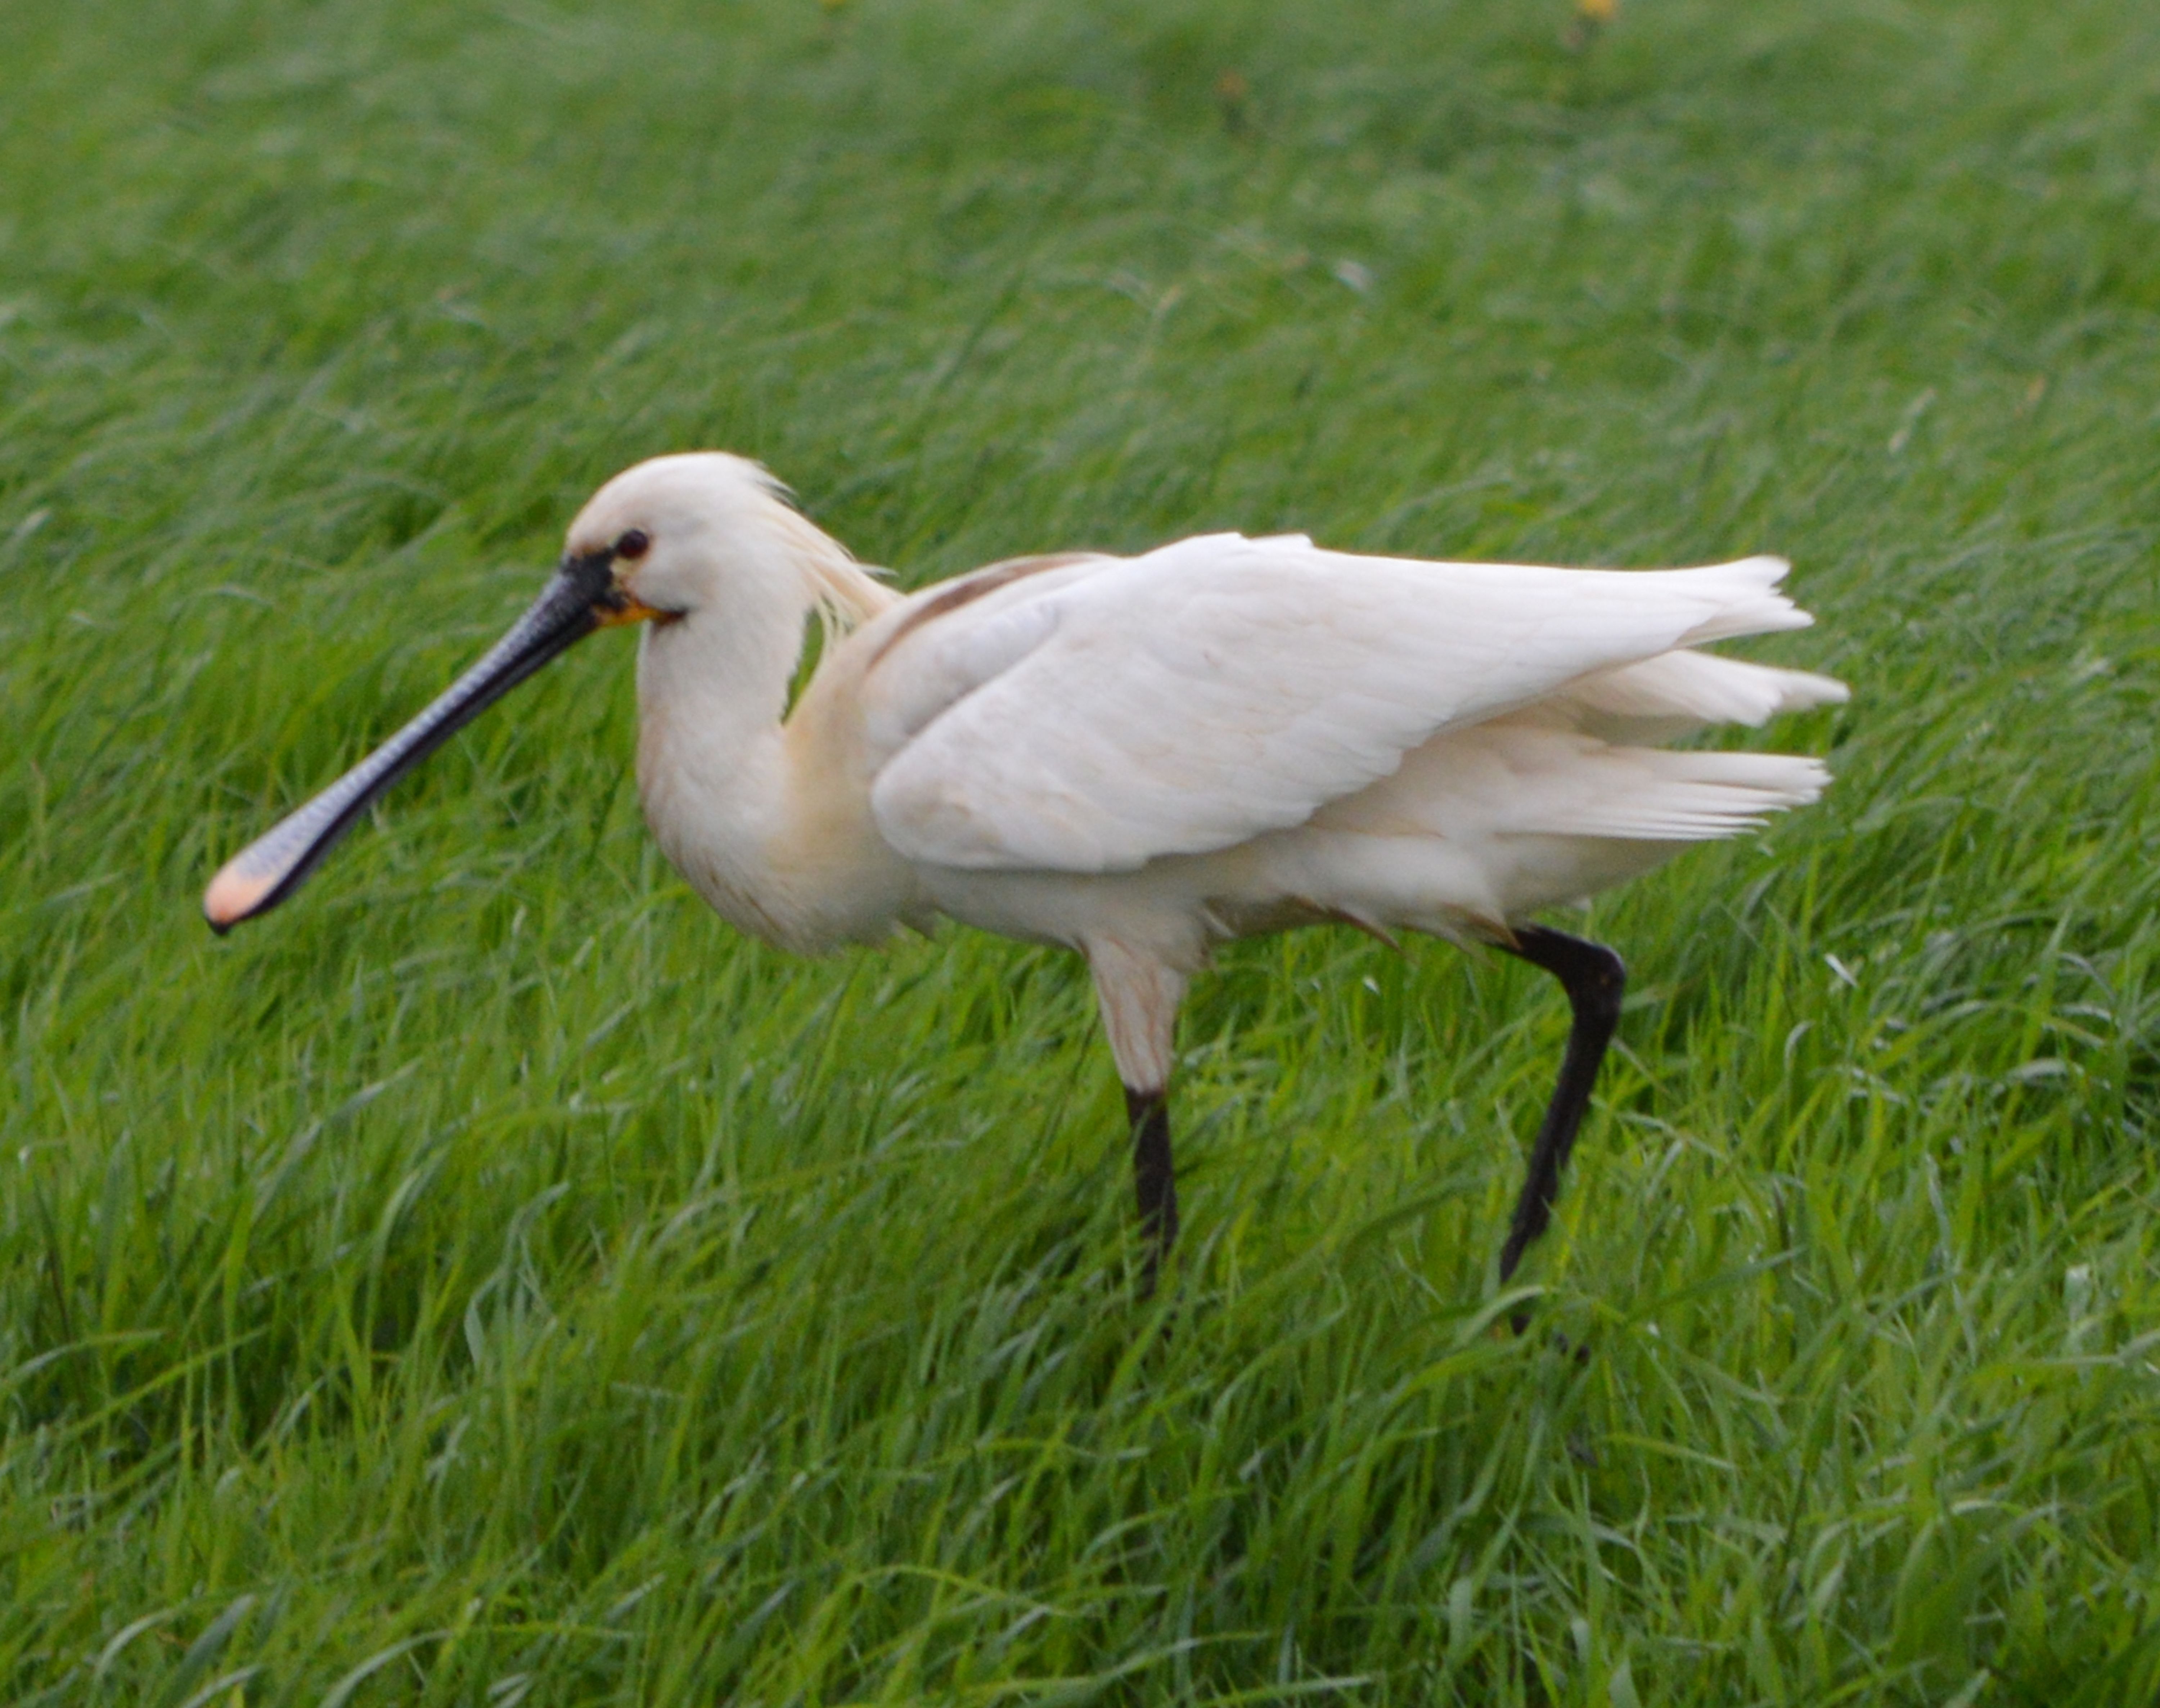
(634, 544)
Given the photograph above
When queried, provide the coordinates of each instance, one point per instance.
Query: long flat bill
(272, 867)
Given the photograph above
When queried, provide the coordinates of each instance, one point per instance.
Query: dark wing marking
(967, 589)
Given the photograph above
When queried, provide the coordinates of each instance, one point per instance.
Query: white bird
(1140, 758)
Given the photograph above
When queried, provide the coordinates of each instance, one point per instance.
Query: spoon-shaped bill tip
(233, 895)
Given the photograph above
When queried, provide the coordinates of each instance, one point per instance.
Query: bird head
(646, 547)
(668, 532)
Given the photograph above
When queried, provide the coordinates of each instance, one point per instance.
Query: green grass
(489, 1281)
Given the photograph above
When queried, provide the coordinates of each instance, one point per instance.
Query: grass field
(490, 1282)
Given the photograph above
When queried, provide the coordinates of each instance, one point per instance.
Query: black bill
(271, 868)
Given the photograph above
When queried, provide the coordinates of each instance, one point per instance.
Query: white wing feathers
(1094, 717)
(1671, 695)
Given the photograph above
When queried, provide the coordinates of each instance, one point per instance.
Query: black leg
(1593, 976)
(1154, 1176)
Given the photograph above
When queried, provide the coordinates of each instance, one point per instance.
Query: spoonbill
(1141, 757)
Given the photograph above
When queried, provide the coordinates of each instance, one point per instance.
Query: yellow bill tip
(232, 896)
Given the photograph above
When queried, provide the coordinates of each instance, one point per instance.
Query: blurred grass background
(492, 1282)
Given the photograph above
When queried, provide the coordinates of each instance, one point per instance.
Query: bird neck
(727, 669)
(719, 781)
(729, 666)
(712, 687)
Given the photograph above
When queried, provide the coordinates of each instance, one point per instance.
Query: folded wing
(1115, 710)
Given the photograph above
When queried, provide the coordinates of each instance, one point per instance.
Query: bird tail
(1668, 696)
(1637, 794)
(1744, 600)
